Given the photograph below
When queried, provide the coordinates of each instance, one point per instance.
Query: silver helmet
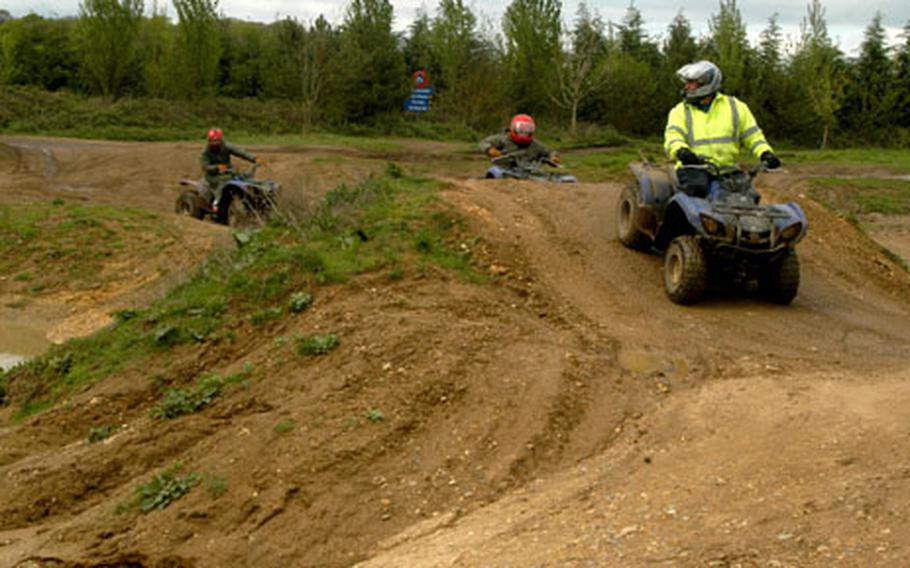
(706, 74)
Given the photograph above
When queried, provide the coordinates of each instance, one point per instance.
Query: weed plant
(100, 433)
(162, 490)
(177, 401)
(316, 344)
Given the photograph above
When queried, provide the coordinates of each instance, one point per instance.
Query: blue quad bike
(518, 166)
(731, 239)
(244, 199)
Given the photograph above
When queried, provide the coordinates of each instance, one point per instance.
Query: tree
(309, 56)
(816, 69)
(107, 34)
(155, 37)
(532, 30)
(38, 51)
(902, 80)
(766, 95)
(729, 47)
(633, 39)
(580, 72)
(453, 39)
(870, 95)
(418, 49)
(679, 47)
(374, 73)
(243, 59)
(197, 49)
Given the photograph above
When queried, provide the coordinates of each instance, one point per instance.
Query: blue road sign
(419, 101)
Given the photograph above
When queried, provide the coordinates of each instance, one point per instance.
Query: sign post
(419, 100)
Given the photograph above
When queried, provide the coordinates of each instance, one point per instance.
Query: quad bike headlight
(792, 231)
(712, 226)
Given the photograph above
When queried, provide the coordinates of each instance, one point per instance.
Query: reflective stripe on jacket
(719, 133)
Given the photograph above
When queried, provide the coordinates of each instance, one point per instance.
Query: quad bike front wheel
(685, 270)
(188, 204)
(781, 281)
(626, 221)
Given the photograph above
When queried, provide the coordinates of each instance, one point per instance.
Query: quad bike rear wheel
(781, 282)
(188, 204)
(685, 270)
(626, 218)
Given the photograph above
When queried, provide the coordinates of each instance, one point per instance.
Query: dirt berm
(566, 414)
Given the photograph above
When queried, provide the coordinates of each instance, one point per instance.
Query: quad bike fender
(796, 215)
(495, 172)
(682, 217)
(655, 188)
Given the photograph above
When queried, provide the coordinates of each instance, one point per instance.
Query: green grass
(609, 164)
(42, 243)
(895, 158)
(859, 196)
(386, 224)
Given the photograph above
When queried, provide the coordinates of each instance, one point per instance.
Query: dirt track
(568, 415)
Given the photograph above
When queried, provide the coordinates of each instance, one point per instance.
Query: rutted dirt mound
(567, 414)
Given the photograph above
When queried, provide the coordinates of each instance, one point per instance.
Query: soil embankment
(566, 414)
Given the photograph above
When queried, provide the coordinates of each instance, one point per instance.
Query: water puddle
(19, 343)
(649, 363)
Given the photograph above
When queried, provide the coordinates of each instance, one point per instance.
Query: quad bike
(243, 197)
(728, 239)
(519, 166)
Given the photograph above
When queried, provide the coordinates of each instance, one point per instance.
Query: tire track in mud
(567, 238)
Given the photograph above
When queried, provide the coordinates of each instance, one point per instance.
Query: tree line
(589, 72)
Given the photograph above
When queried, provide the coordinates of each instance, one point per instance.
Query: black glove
(688, 157)
(770, 161)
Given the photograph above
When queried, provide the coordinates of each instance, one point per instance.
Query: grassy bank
(393, 225)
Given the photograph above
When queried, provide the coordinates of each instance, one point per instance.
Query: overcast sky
(846, 22)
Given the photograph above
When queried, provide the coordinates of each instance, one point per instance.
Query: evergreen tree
(767, 95)
(633, 39)
(418, 49)
(679, 47)
(729, 47)
(374, 75)
(870, 95)
(902, 80)
(816, 68)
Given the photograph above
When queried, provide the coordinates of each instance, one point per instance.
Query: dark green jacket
(533, 152)
(211, 159)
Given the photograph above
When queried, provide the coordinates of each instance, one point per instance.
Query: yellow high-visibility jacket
(719, 133)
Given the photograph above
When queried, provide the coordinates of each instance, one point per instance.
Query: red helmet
(215, 138)
(522, 129)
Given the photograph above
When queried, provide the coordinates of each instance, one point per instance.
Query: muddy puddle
(20, 342)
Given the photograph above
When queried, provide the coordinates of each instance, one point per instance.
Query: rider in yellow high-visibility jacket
(709, 125)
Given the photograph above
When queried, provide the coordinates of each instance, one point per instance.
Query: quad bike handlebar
(717, 170)
(514, 157)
